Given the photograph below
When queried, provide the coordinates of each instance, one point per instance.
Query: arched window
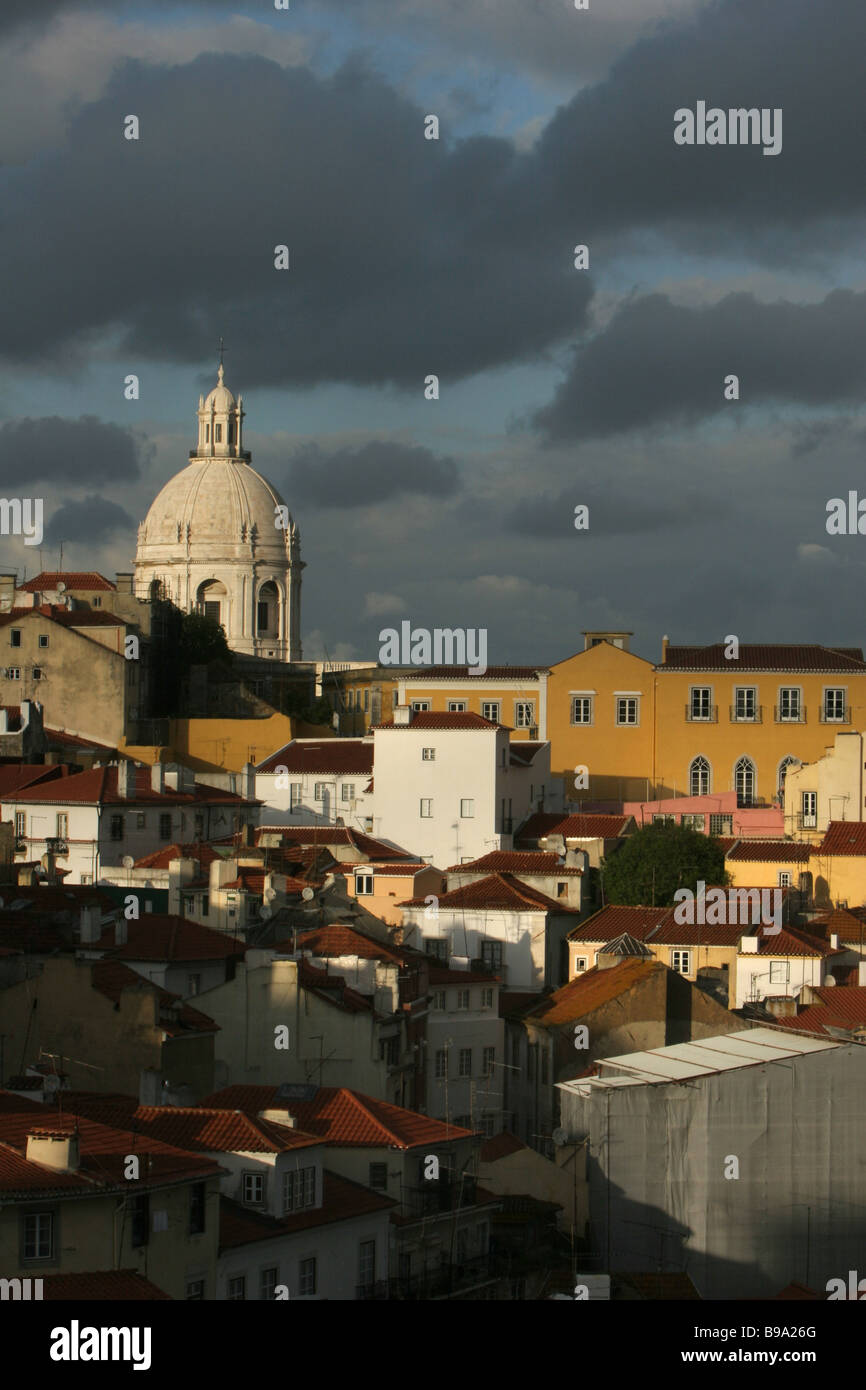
(784, 765)
(218, 434)
(699, 777)
(745, 781)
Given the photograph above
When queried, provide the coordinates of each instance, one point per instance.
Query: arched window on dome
(268, 610)
(211, 600)
(218, 434)
(207, 434)
(233, 431)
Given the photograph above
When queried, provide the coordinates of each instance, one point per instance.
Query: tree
(656, 861)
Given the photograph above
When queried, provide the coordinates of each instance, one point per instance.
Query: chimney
(665, 645)
(126, 778)
(172, 778)
(402, 715)
(91, 923)
(781, 1005)
(124, 582)
(247, 787)
(57, 1149)
(748, 945)
(157, 777)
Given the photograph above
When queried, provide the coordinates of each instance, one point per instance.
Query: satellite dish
(128, 862)
(307, 894)
(560, 1137)
(269, 894)
(829, 980)
(61, 587)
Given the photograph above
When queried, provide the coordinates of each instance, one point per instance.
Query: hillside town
(357, 980)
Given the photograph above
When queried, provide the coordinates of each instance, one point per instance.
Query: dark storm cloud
(46, 449)
(623, 511)
(370, 473)
(403, 261)
(93, 519)
(658, 362)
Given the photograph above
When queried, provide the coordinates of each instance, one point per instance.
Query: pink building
(717, 814)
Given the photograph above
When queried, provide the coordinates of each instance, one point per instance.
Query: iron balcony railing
(789, 716)
(832, 717)
(753, 716)
(709, 714)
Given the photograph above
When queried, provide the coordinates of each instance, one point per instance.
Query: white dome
(214, 503)
(220, 397)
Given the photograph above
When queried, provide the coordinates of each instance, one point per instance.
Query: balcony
(708, 715)
(753, 716)
(789, 716)
(834, 717)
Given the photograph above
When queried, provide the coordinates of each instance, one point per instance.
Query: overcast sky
(602, 386)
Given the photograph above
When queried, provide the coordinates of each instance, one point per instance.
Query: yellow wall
(475, 691)
(391, 889)
(224, 745)
(701, 956)
(838, 878)
(619, 758)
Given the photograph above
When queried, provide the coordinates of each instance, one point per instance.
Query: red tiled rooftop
(443, 720)
(451, 673)
(203, 853)
(164, 936)
(535, 861)
(770, 851)
(843, 837)
(573, 827)
(340, 939)
(325, 835)
(101, 1286)
(591, 990)
(777, 657)
(788, 942)
(196, 1129)
(19, 775)
(349, 757)
(344, 1118)
(500, 1146)
(73, 579)
(501, 892)
(112, 977)
(611, 921)
(98, 786)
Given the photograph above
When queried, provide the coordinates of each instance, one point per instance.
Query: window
(437, 946)
(681, 961)
(784, 878)
(367, 698)
(487, 998)
(420, 706)
(784, 766)
(810, 811)
(39, 1235)
(663, 818)
(428, 755)
(694, 820)
(580, 962)
(744, 782)
(790, 704)
(116, 827)
(194, 1290)
(491, 954)
(779, 972)
(745, 702)
(193, 984)
(237, 1289)
(490, 710)
(14, 673)
(367, 1263)
(140, 820)
(253, 1189)
(20, 824)
(389, 1051)
(262, 616)
(139, 1218)
(699, 777)
(467, 808)
(721, 825)
(426, 807)
(378, 1177)
(463, 998)
(441, 1063)
(320, 791)
(299, 1189)
(464, 1062)
(700, 702)
(581, 709)
(43, 639)
(62, 825)
(834, 704)
(524, 713)
(488, 1060)
(438, 999)
(37, 673)
(456, 706)
(307, 1277)
(15, 637)
(268, 1280)
(97, 602)
(295, 790)
(347, 791)
(363, 883)
(165, 825)
(626, 709)
(197, 1209)
(218, 434)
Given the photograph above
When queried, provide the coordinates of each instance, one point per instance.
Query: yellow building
(516, 696)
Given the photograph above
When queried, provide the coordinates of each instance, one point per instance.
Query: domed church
(215, 540)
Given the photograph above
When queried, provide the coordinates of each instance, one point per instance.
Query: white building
(318, 782)
(465, 1048)
(450, 786)
(219, 540)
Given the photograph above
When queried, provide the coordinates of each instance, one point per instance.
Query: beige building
(830, 788)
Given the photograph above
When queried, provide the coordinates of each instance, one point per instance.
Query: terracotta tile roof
(498, 891)
(672, 933)
(808, 657)
(514, 1003)
(442, 719)
(76, 741)
(344, 1118)
(204, 855)
(111, 978)
(590, 991)
(195, 1129)
(407, 869)
(339, 939)
(500, 1146)
(815, 1020)
(510, 861)
(19, 775)
(248, 881)
(452, 673)
(65, 617)
(166, 937)
(342, 1200)
(610, 922)
(350, 757)
(573, 827)
(73, 579)
(101, 1286)
(843, 837)
(98, 786)
(325, 835)
(844, 1001)
(793, 943)
(770, 852)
